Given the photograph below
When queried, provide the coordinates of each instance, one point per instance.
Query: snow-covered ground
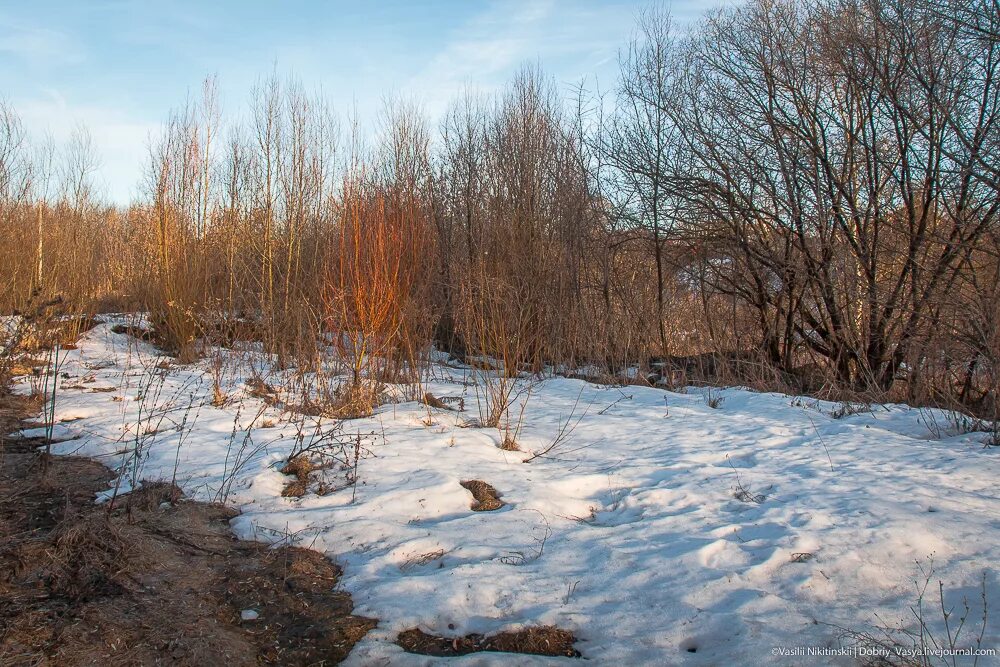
(629, 533)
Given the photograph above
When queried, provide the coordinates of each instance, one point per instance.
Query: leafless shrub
(241, 449)
(941, 634)
(743, 492)
(518, 558)
(949, 423)
(419, 560)
(566, 428)
(713, 398)
(847, 409)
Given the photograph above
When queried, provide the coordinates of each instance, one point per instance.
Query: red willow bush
(377, 294)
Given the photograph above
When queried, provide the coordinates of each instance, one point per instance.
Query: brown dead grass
(300, 468)
(347, 401)
(509, 444)
(65, 331)
(487, 498)
(544, 640)
(257, 388)
(432, 401)
(354, 401)
(155, 580)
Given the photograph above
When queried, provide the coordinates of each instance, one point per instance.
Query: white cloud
(118, 139)
(569, 39)
(38, 46)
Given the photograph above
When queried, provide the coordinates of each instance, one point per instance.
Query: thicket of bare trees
(827, 167)
(835, 175)
(805, 190)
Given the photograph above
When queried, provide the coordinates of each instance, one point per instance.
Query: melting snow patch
(653, 535)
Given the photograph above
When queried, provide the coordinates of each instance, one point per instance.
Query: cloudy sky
(119, 66)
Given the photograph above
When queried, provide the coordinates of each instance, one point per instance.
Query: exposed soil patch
(545, 640)
(156, 579)
(487, 498)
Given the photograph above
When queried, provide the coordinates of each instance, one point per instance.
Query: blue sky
(119, 66)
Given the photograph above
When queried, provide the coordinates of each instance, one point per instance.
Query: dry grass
(509, 444)
(431, 401)
(486, 497)
(353, 401)
(542, 640)
(300, 467)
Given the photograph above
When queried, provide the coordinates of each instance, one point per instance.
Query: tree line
(797, 194)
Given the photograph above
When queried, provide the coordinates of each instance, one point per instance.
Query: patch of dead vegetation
(354, 401)
(302, 619)
(257, 388)
(346, 401)
(452, 403)
(487, 498)
(153, 579)
(25, 365)
(509, 444)
(300, 467)
(544, 640)
(45, 333)
(135, 331)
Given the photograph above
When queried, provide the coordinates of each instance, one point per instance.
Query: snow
(628, 533)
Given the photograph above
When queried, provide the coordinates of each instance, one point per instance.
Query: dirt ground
(543, 640)
(156, 580)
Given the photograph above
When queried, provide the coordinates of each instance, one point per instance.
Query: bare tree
(831, 176)
(639, 143)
